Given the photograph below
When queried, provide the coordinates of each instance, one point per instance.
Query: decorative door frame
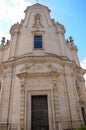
(28, 107)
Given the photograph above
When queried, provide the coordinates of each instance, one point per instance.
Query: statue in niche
(37, 23)
(37, 19)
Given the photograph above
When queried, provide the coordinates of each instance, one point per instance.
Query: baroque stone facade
(41, 81)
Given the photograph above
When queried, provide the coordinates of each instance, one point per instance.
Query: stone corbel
(22, 76)
(54, 83)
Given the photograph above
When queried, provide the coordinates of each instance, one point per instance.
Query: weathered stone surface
(53, 71)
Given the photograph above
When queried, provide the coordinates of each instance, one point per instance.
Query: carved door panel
(39, 113)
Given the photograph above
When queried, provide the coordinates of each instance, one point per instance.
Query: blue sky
(70, 13)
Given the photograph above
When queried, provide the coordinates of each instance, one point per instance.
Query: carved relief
(37, 22)
(25, 68)
(22, 105)
(81, 98)
(56, 104)
(38, 68)
(15, 28)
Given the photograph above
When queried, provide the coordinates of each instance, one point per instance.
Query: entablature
(44, 58)
(35, 75)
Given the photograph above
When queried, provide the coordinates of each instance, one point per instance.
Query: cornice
(35, 75)
(74, 66)
(32, 58)
(37, 5)
(16, 28)
(46, 58)
(58, 27)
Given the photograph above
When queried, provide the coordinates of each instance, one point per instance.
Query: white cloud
(83, 65)
(14, 11)
(4, 34)
(11, 11)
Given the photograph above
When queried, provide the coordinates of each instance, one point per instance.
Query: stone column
(56, 103)
(22, 78)
(6, 97)
(73, 113)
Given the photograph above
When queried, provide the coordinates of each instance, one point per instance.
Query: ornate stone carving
(25, 67)
(70, 43)
(22, 101)
(37, 23)
(81, 98)
(4, 44)
(15, 28)
(22, 105)
(56, 105)
(38, 68)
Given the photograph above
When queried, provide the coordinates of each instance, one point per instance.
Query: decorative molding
(38, 32)
(22, 105)
(56, 105)
(44, 58)
(38, 68)
(37, 21)
(79, 91)
(50, 107)
(35, 75)
(16, 28)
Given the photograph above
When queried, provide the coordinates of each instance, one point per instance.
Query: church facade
(41, 81)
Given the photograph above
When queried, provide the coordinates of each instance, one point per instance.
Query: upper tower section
(35, 17)
(38, 34)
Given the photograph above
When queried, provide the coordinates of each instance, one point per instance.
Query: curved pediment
(38, 68)
(37, 6)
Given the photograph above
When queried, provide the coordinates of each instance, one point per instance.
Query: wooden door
(39, 113)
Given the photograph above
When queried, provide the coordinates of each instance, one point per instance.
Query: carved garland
(22, 104)
(81, 98)
(56, 104)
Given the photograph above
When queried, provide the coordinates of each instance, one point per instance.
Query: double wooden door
(39, 113)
